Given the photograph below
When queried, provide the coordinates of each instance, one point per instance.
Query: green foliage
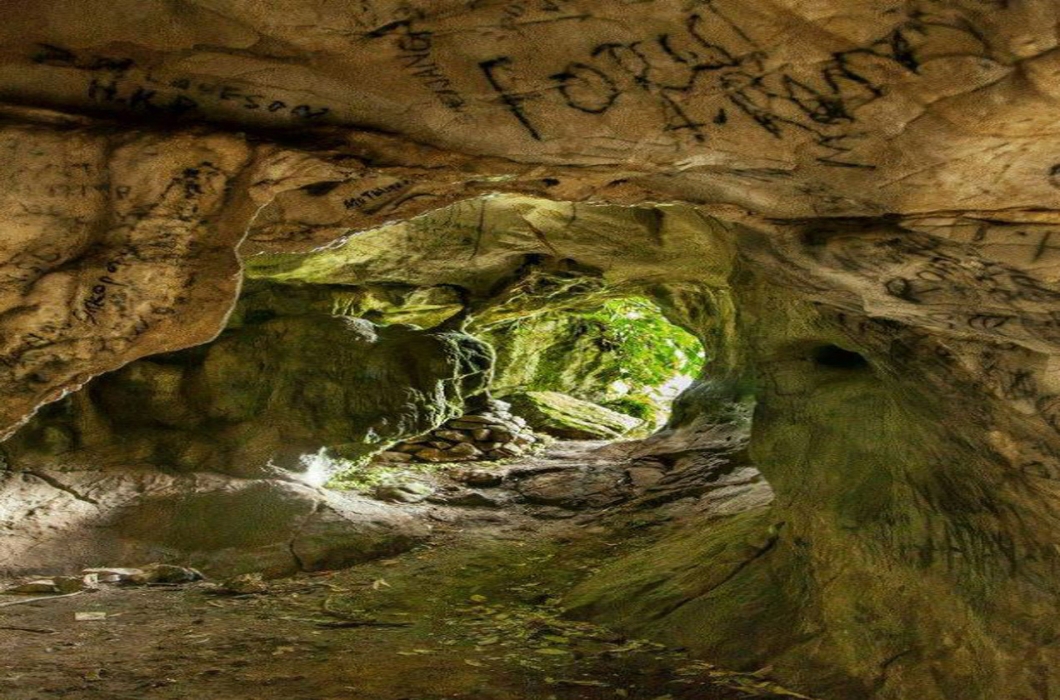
(650, 349)
(364, 476)
(636, 406)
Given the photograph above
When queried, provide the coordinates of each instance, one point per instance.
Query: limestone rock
(166, 573)
(31, 587)
(218, 525)
(472, 436)
(393, 457)
(589, 488)
(569, 418)
(243, 584)
(451, 435)
(474, 499)
(480, 477)
(464, 450)
(861, 221)
(406, 492)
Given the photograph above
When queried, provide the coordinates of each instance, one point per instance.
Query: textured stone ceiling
(801, 107)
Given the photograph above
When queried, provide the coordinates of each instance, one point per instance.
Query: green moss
(650, 349)
(615, 352)
(636, 406)
(363, 476)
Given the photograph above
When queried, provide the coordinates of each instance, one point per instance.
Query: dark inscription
(113, 85)
(367, 196)
(712, 57)
(416, 55)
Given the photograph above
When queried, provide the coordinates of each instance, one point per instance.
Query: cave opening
(576, 363)
(620, 352)
(836, 357)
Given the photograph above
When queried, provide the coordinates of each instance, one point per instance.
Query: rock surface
(489, 433)
(569, 418)
(64, 521)
(268, 398)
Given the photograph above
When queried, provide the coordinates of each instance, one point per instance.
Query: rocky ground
(475, 612)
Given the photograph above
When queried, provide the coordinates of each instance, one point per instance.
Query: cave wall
(911, 550)
(213, 457)
(265, 397)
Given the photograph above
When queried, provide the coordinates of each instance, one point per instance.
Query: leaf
(551, 651)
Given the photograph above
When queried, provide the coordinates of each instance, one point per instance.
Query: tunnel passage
(887, 507)
(327, 361)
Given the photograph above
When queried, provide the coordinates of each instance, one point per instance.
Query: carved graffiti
(114, 83)
(415, 53)
(712, 69)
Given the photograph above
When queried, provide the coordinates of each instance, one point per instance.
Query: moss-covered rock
(566, 417)
(272, 394)
(553, 352)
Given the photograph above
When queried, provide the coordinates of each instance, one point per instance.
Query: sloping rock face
(553, 352)
(569, 418)
(62, 521)
(856, 179)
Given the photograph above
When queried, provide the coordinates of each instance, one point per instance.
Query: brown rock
(393, 457)
(166, 573)
(464, 449)
(502, 434)
(480, 478)
(45, 585)
(475, 421)
(644, 477)
(452, 435)
(243, 584)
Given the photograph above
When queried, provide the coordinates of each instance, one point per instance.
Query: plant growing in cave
(650, 350)
(618, 352)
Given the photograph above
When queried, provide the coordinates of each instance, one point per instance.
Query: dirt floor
(473, 614)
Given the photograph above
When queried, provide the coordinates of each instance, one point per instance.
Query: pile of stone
(490, 433)
(91, 579)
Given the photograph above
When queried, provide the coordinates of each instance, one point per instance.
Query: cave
(332, 337)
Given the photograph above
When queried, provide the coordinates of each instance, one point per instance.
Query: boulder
(464, 450)
(63, 522)
(569, 418)
(393, 457)
(452, 435)
(480, 478)
(408, 492)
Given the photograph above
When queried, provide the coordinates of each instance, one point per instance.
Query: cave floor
(474, 613)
